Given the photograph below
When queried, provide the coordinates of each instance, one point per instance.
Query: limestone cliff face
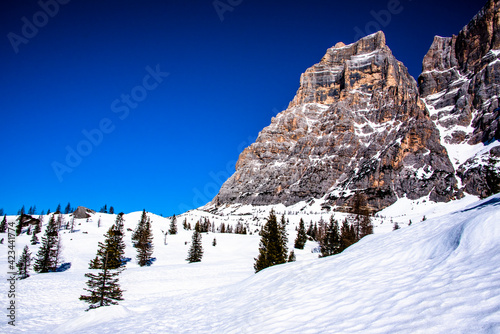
(356, 124)
(460, 85)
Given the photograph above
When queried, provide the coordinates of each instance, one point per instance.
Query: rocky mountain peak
(324, 82)
(460, 85)
(360, 124)
(479, 37)
(459, 79)
(356, 124)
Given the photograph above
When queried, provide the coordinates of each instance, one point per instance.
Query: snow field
(436, 276)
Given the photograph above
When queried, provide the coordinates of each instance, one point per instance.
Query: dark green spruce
(142, 239)
(47, 256)
(196, 250)
(301, 239)
(271, 249)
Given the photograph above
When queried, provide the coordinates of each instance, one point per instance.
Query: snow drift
(440, 275)
(436, 276)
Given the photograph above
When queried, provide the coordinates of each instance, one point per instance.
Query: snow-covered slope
(436, 276)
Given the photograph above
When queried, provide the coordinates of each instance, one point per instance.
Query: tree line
(332, 238)
(67, 210)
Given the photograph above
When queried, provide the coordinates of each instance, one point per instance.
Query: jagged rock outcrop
(356, 124)
(460, 85)
(479, 174)
(82, 212)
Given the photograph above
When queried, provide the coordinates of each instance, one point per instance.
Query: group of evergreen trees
(206, 226)
(332, 238)
(105, 209)
(68, 209)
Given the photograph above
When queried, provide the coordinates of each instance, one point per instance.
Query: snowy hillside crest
(416, 167)
(407, 280)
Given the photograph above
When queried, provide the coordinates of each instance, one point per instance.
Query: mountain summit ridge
(359, 123)
(356, 124)
(460, 85)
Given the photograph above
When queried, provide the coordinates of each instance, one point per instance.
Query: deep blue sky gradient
(226, 80)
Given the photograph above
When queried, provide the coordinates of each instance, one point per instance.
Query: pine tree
(34, 239)
(173, 226)
(57, 253)
(330, 244)
(113, 245)
(19, 227)
(283, 235)
(396, 226)
(140, 225)
(271, 247)
(24, 263)
(184, 224)
(3, 224)
(58, 209)
(143, 241)
(47, 256)
(38, 226)
(301, 239)
(196, 250)
(60, 221)
(103, 287)
(366, 226)
(347, 235)
(111, 210)
(95, 263)
(309, 231)
(360, 211)
(67, 209)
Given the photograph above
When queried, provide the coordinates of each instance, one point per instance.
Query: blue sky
(147, 104)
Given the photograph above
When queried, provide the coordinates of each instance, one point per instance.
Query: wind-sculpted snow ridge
(436, 276)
